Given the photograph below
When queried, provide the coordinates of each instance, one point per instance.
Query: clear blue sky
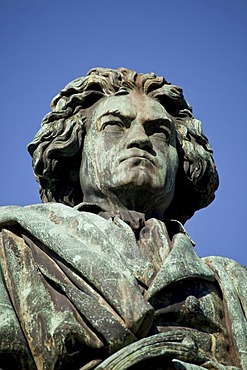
(199, 45)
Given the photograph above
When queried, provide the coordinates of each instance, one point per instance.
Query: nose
(138, 138)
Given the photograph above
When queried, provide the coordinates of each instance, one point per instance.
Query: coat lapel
(181, 263)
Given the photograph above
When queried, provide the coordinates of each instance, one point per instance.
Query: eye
(112, 126)
(161, 132)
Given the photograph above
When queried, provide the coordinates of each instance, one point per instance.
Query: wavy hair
(58, 146)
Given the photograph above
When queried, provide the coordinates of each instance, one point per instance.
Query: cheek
(173, 161)
(103, 158)
(88, 158)
(173, 156)
(168, 163)
(172, 169)
(106, 149)
(167, 153)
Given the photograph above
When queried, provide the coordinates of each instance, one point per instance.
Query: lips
(136, 153)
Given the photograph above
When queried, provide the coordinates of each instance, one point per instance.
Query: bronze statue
(103, 275)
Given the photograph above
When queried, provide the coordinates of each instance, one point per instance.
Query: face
(129, 153)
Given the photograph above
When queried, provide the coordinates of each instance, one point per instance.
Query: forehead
(130, 105)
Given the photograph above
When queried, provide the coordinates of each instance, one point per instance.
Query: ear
(194, 168)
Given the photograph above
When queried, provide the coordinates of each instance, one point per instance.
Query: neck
(117, 204)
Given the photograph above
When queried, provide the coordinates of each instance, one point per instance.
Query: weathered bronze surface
(103, 275)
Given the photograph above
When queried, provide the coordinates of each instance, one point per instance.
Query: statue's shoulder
(49, 219)
(229, 270)
(12, 214)
(45, 215)
(232, 278)
(229, 265)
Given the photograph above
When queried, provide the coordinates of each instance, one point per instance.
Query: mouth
(136, 154)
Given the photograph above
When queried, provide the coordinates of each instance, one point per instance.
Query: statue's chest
(196, 307)
(192, 303)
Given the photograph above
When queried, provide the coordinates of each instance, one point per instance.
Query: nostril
(138, 138)
(149, 148)
(146, 146)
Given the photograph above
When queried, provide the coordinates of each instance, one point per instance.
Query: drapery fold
(76, 285)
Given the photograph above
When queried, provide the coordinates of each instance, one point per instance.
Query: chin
(140, 185)
(137, 179)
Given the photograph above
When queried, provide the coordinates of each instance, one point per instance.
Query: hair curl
(57, 147)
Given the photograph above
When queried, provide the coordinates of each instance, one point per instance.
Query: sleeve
(232, 278)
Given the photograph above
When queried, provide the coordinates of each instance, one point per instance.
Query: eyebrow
(116, 113)
(161, 121)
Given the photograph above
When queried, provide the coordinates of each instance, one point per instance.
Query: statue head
(126, 137)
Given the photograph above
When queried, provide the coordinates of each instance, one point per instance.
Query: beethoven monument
(102, 274)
